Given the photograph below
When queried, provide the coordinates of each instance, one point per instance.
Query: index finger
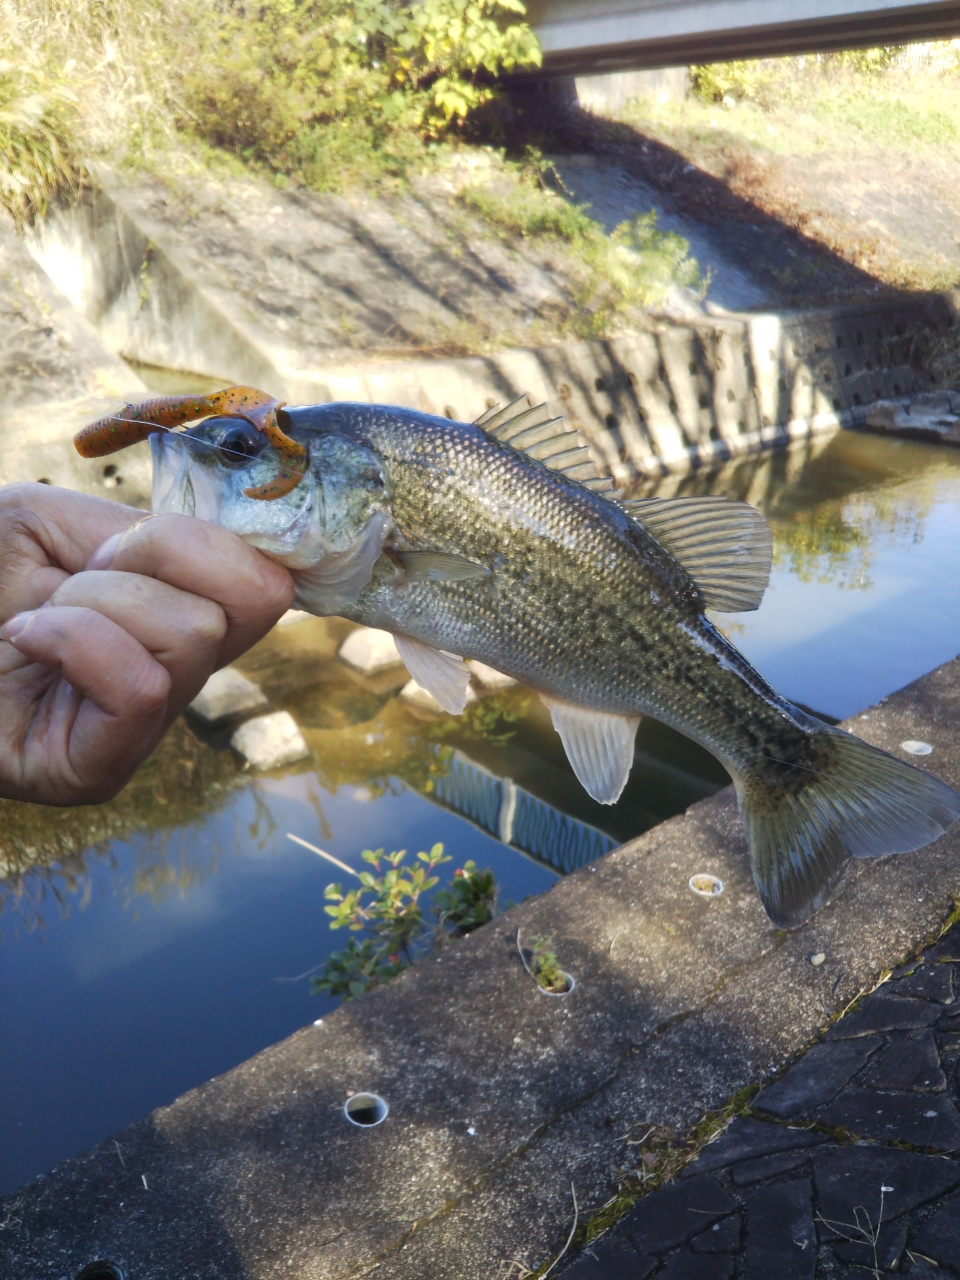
(69, 526)
(200, 557)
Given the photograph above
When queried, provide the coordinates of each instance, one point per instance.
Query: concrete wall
(611, 92)
(674, 397)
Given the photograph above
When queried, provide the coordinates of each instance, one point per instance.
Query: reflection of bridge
(580, 37)
(516, 817)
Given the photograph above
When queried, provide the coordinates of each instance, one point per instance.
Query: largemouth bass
(497, 541)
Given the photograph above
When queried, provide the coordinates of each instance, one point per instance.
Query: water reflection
(141, 940)
(863, 595)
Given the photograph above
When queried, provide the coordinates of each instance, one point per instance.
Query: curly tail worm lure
(136, 422)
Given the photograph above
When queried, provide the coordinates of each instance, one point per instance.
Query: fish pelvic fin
(599, 746)
(803, 823)
(442, 674)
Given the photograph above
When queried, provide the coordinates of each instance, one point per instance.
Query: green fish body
(495, 541)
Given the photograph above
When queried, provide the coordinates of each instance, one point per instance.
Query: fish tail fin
(804, 820)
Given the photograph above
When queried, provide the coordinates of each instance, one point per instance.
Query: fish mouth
(183, 486)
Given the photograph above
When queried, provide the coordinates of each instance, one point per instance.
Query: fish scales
(459, 543)
(573, 579)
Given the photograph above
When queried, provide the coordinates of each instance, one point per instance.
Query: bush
(317, 87)
(39, 126)
(387, 910)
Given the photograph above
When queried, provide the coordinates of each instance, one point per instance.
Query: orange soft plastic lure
(137, 421)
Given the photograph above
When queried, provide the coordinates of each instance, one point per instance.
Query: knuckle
(152, 692)
(208, 625)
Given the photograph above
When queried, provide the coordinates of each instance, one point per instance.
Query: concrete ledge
(498, 1095)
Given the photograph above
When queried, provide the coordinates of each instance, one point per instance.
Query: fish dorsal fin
(532, 431)
(442, 674)
(724, 546)
(599, 746)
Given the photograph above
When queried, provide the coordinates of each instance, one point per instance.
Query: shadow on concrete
(797, 270)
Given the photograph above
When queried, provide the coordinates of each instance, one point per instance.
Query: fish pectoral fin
(724, 546)
(599, 746)
(437, 566)
(442, 674)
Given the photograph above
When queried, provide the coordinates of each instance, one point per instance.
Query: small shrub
(470, 901)
(387, 910)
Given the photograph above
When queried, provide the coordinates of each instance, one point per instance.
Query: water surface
(148, 944)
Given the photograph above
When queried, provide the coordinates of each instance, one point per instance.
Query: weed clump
(634, 267)
(387, 910)
(39, 130)
(545, 967)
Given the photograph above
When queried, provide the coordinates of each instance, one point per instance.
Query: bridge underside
(582, 37)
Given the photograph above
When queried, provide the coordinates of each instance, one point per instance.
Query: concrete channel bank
(247, 284)
(500, 1098)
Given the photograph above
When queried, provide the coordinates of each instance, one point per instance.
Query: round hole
(366, 1110)
(101, 1270)
(109, 471)
(917, 748)
(611, 421)
(599, 384)
(568, 978)
(706, 885)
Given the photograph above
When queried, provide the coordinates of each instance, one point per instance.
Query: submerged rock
(488, 678)
(932, 415)
(370, 650)
(266, 742)
(227, 693)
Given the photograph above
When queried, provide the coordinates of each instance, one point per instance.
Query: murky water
(150, 943)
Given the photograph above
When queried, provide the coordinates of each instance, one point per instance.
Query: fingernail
(13, 626)
(102, 558)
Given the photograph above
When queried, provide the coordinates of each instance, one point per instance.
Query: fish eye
(238, 445)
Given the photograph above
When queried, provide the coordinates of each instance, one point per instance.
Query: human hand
(113, 622)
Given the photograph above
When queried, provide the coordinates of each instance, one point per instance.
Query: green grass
(40, 128)
(889, 118)
(611, 275)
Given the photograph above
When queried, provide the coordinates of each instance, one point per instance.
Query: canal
(153, 942)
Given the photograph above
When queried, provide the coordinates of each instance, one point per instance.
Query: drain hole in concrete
(568, 978)
(366, 1110)
(100, 1271)
(706, 885)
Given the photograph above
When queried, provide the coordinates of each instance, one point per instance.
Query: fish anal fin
(724, 546)
(437, 566)
(599, 746)
(442, 674)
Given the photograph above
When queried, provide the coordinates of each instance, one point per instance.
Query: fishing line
(169, 431)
